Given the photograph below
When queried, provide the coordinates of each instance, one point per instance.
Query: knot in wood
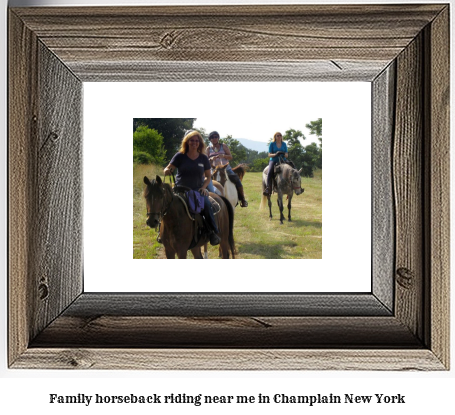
(168, 40)
(405, 278)
(53, 136)
(43, 291)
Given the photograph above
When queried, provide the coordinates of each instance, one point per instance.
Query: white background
(108, 238)
(27, 391)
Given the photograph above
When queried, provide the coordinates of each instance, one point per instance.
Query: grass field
(256, 236)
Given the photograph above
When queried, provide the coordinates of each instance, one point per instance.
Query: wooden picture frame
(402, 324)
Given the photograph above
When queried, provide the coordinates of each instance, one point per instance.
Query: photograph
(210, 178)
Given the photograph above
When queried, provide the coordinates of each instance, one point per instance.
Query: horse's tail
(263, 202)
(264, 198)
(230, 210)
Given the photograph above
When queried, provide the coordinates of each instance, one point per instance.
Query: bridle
(164, 208)
(293, 185)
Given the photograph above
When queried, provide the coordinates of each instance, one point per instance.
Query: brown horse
(167, 211)
(219, 172)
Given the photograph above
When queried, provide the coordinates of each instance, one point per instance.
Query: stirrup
(243, 203)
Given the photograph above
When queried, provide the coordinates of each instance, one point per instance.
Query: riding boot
(214, 238)
(211, 222)
(243, 202)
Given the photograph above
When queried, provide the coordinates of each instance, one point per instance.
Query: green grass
(256, 236)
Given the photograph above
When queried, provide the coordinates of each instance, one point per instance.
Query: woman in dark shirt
(193, 166)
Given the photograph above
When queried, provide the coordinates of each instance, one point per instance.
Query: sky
(256, 111)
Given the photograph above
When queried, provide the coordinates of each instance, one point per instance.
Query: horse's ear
(300, 171)
(158, 179)
(146, 181)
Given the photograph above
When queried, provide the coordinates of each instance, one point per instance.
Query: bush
(141, 157)
(146, 140)
(259, 164)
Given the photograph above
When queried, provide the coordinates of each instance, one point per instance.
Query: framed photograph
(402, 323)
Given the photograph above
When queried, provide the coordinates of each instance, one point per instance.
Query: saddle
(200, 227)
(278, 169)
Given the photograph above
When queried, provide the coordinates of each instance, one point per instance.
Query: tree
(295, 148)
(172, 129)
(238, 151)
(148, 146)
(259, 164)
(315, 128)
(310, 159)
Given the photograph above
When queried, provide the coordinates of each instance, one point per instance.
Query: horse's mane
(240, 170)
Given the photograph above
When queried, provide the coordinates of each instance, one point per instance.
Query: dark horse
(177, 227)
(287, 182)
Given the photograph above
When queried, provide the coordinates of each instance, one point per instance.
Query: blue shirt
(273, 148)
(190, 172)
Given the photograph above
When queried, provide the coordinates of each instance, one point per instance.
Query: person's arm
(208, 176)
(227, 153)
(270, 151)
(169, 169)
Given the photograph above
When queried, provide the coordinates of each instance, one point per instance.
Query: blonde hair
(185, 146)
(274, 136)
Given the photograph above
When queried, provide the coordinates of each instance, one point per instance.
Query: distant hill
(258, 146)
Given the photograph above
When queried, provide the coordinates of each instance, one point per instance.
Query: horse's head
(219, 174)
(296, 181)
(154, 195)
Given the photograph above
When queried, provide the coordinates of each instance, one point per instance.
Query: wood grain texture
(321, 34)
(399, 326)
(58, 210)
(408, 188)
(90, 305)
(229, 359)
(257, 332)
(22, 94)
(308, 71)
(383, 215)
(438, 191)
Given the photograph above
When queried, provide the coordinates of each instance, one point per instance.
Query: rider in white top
(219, 154)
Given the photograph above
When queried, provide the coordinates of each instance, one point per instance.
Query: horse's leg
(270, 206)
(289, 207)
(280, 206)
(197, 252)
(182, 254)
(206, 252)
(224, 249)
(170, 252)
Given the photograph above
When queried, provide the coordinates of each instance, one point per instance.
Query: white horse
(220, 178)
(287, 183)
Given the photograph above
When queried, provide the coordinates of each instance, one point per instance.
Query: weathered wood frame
(403, 50)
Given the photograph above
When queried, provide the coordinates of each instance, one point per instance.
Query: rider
(276, 148)
(193, 166)
(220, 154)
